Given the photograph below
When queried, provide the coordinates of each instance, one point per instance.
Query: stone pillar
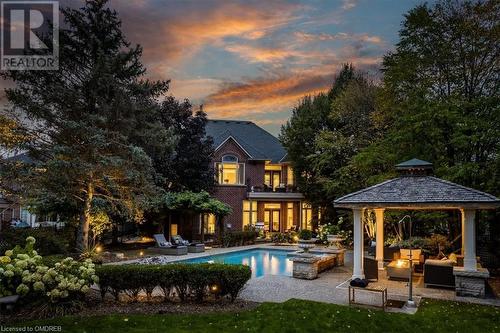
(469, 236)
(379, 254)
(357, 271)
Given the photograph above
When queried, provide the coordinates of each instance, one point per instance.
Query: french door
(272, 219)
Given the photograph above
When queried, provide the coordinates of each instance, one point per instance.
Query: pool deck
(330, 287)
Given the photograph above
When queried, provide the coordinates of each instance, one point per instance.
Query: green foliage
(431, 245)
(189, 168)
(200, 202)
(50, 241)
(325, 132)
(284, 237)
(22, 272)
(305, 234)
(440, 89)
(187, 280)
(239, 238)
(89, 114)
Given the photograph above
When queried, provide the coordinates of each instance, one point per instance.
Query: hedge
(185, 281)
(239, 238)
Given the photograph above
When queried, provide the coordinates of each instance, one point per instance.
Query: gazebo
(416, 189)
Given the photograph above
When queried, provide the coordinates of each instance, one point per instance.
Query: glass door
(272, 179)
(276, 220)
(272, 215)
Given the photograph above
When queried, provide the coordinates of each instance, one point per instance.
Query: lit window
(208, 224)
(306, 216)
(249, 213)
(289, 216)
(230, 172)
(289, 175)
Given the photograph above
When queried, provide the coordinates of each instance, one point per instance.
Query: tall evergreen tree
(189, 167)
(84, 119)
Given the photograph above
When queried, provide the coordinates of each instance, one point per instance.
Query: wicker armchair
(370, 266)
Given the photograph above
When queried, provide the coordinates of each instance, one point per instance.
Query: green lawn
(299, 316)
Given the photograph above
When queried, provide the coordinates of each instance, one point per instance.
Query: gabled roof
(418, 191)
(258, 143)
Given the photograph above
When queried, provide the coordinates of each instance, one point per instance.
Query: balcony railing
(288, 192)
(278, 189)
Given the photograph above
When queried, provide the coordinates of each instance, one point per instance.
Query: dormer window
(230, 159)
(229, 171)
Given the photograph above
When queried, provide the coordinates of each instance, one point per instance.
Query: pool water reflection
(261, 261)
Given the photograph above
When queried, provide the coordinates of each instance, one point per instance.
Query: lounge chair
(192, 247)
(167, 247)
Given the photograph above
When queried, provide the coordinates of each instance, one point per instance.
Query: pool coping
(231, 252)
(210, 252)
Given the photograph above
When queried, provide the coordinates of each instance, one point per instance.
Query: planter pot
(334, 241)
(306, 244)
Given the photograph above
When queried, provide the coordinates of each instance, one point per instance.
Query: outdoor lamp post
(410, 302)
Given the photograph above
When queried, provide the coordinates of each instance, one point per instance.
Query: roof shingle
(260, 144)
(419, 190)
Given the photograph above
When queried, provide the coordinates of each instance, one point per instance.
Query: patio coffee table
(398, 269)
(378, 289)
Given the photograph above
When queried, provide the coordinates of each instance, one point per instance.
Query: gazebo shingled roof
(418, 190)
(414, 188)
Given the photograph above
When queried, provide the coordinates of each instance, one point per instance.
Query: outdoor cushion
(357, 282)
(453, 257)
(437, 262)
(405, 254)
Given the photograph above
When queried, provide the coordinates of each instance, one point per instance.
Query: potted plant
(305, 240)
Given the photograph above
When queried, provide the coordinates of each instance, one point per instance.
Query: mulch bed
(94, 306)
(494, 283)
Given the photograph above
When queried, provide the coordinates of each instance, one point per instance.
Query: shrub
(49, 240)
(284, 237)
(188, 280)
(22, 272)
(305, 234)
(239, 238)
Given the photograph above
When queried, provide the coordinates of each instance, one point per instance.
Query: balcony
(281, 192)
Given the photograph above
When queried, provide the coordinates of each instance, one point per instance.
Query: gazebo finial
(414, 167)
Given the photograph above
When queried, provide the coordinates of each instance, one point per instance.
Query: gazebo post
(358, 271)
(379, 236)
(462, 249)
(469, 239)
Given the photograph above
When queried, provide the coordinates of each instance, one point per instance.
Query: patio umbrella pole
(410, 303)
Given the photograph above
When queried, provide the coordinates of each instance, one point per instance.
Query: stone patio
(331, 286)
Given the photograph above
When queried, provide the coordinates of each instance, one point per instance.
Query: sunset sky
(254, 60)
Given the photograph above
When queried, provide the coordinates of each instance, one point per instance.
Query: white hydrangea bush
(23, 273)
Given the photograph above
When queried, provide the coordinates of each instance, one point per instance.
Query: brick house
(255, 179)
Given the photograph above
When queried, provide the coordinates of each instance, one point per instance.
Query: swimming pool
(261, 261)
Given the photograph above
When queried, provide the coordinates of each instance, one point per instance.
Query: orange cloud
(178, 32)
(263, 95)
(307, 37)
(261, 54)
(270, 95)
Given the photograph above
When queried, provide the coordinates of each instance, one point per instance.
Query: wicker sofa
(439, 273)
